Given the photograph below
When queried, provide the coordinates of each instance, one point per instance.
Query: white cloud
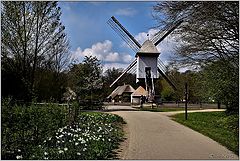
(142, 36)
(103, 51)
(111, 57)
(126, 12)
(127, 58)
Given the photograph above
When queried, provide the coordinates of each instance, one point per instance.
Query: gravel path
(153, 135)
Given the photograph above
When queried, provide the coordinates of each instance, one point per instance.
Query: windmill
(147, 66)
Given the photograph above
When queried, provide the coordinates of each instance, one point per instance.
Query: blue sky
(89, 34)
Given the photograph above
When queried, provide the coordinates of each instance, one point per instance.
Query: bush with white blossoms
(94, 136)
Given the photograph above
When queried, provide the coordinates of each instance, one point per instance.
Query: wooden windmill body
(147, 66)
(147, 59)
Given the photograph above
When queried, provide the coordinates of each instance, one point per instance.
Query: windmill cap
(148, 47)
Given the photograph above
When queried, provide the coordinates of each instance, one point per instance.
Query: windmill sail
(124, 34)
(129, 68)
(158, 38)
(163, 71)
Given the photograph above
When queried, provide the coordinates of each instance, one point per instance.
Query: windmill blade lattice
(124, 34)
(162, 69)
(128, 69)
(160, 36)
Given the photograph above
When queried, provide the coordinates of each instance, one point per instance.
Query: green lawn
(161, 109)
(219, 126)
(164, 109)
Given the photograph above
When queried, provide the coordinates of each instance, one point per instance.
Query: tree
(221, 83)
(209, 37)
(207, 33)
(167, 93)
(195, 85)
(33, 39)
(85, 78)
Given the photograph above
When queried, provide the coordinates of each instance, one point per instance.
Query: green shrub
(24, 127)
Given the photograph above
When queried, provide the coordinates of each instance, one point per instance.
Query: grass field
(168, 109)
(161, 109)
(219, 126)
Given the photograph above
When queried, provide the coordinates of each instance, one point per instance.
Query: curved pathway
(153, 135)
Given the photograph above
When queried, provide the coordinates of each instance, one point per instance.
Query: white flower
(70, 141)
(19, 157)
(109, 139)
(50, 138)
(78, 153)
(45, 153)
(84, 149)
(65, 149)
(19, 150)
(76, 143)
(76, 135)
(60, 151)
(45, 158)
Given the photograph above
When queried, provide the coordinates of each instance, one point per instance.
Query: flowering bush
(42, 132)
(94, 136)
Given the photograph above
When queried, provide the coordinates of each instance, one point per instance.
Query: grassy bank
(219, 126)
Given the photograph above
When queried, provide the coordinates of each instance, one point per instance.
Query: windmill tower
(146, 65)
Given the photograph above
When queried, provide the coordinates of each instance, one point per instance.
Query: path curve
(153, 135)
